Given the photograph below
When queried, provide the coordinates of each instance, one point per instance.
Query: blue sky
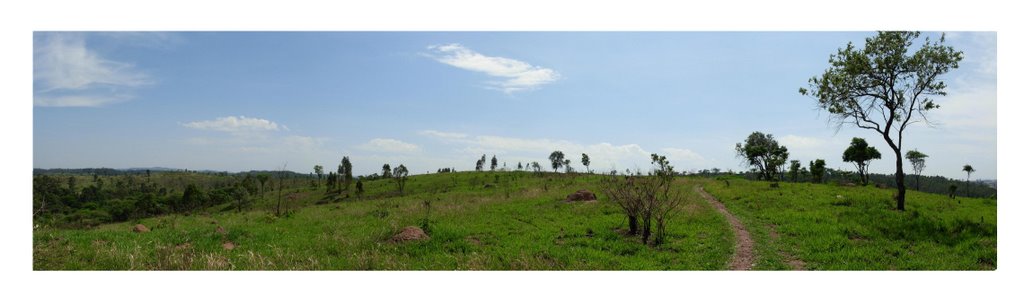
(256, 100)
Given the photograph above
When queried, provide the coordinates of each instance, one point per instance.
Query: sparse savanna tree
(818, 170)
(917, 161)
(280, 186)
(586, 162)
(969, 169)
(860, 154)
(536, 166)
(519, 166)
(319, 170)
(794, 170)
(645, 201)
(665, 171)
(480, 163)
(263, 178)
(346, 172)
(494, 162)
(359, 187)
(386, 171)
(241, 196)
(400, 174)
(557, 159)
(763, 153)
(883, 88)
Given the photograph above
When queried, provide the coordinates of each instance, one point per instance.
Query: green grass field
(475, 224)
(832, 227)
(517, 221)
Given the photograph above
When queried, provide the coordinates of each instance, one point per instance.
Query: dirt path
(743, 257)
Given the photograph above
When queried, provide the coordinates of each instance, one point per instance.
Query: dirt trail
(743, 257)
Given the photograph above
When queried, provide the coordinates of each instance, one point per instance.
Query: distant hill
(103, 171)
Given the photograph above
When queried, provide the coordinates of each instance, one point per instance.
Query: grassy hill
(518, 221)
(489, 221)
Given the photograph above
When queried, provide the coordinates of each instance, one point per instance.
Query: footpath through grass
(478, 221)
(832, 227)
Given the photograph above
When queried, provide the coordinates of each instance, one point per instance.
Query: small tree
(280, 186)
(916, 159)
(969, 169)
(557, 159)
(263, 178)
(566, 163)
(359, 187)
(860, 154)
(494, 162)
(346, 172)
(400, 174)
(586, 162)
(818, 170)
(763, 153)
(241, 196)
(646, 201)
(386, 171)
(319, 170)
(519, 166)
(794, 170)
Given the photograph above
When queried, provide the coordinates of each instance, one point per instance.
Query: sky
(238, 101)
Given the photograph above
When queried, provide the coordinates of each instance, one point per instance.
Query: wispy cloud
(442, 135)
(239, 124)
(515, 75)
(68, 74)
(389, 145)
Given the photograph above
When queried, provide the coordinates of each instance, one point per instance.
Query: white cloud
(797, 143)
(233, 124)
(68, 74)
(685, 157)
(443, 135)
(389, 145)
(78, 100)
(516, 75)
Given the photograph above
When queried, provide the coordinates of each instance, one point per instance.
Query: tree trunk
(967, 189)
(633, 226)
(280, 185)
(901, 194)
(918, 182)
(647, 231)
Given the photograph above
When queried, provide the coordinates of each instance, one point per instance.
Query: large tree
(969, 169)
(917, 161)
(860, 154)
(557, 159)
(885, 87)
(763, 153)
